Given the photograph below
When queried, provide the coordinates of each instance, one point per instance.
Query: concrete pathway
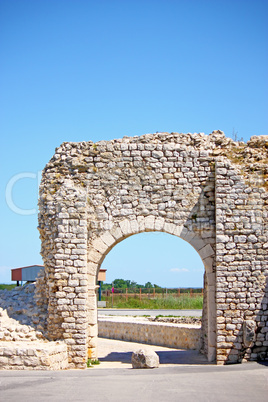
(138, 312)
(117, 354)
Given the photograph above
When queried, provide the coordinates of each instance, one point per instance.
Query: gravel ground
(167, 320)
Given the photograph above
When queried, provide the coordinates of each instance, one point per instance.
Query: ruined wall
(92, 196)
(242, 266)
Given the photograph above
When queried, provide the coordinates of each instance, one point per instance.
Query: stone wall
(181, 336)
(93, 196)
(241, 255)
(34, 355)
(21, 345)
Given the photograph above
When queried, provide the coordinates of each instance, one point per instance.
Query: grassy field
(170, 302)
(8, 287)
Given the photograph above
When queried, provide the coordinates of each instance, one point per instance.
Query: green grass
(170, 302)
(8, 287)
(91, 363)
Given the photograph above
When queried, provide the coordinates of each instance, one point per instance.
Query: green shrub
(92, 362)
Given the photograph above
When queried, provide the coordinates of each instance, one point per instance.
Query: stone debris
(177, 320)
(20, 303)
(22, 347)
(25, 305)
(12, 330)
(144, 358)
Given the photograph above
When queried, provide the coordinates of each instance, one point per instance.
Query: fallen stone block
(144, 358)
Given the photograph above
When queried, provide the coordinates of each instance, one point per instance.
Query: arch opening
(206, 337)
(155, 257)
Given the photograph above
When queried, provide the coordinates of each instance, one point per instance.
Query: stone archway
(103, 245)
(94, 195)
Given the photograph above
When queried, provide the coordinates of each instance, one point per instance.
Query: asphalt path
(204, 383)
(141, 312)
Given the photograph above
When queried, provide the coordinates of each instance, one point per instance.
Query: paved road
(135, 312)
(204, 383)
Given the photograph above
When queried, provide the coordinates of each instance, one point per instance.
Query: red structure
(16, 274)
(30, 273)
(25, 274)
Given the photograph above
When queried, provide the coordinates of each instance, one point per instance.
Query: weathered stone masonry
(93, 196)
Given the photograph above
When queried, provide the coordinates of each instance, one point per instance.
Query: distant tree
(124, 283)
(106, 286)
(148, 285)
(133, 284)
(120, 283)
(127, 283)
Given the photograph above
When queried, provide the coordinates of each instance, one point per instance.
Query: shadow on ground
(114, 353)
(165, 357)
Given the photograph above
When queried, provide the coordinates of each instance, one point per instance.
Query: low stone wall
(181, 336)
(21, 346)
(35, 355)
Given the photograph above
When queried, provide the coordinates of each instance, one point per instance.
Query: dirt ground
(117, 354)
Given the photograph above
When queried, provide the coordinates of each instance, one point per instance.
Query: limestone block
(222, 239)
(149, 222)
(4, 360)
(92, 268)
(157, 154)
(240, 239)
(144, 358)
(169, 227)
(140, 220)
(116, 232)
(159, 224)
(107, 238)
(134, 226)
(249, 335)
(79, 263)
(178, 229)
(197, 243)
(79, 301)
(208, 263)
(206, 251)
(125, 227)
(99, 245)
(93, 255)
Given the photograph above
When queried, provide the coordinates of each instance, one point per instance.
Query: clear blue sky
(78, 70)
